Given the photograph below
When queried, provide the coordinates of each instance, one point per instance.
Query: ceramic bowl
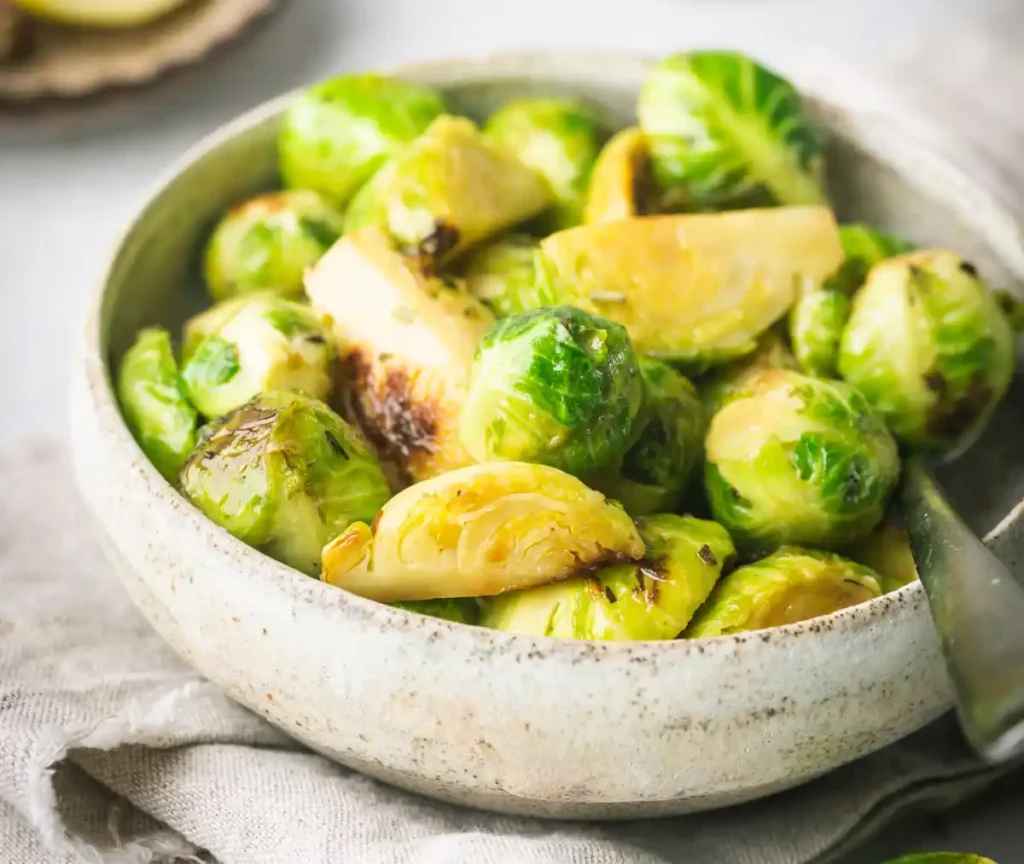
(500, 721)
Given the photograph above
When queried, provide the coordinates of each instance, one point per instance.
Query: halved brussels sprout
(816, 324)
(558, 138)
(722, 127)
(695, 288)
(268, 242)
(463, 610)
(886, 550)
(929, 346)
(450, 189)
(480, 531)
(652, 600)
(667, 443)
(153, 399)
(556, 386)
(795, 459)
(285, 474)
(941, 858)
(620, 184)
(863, 248)
(339, 132)
(504, 275)
(262, 343)
(791, 585)
(407, 345)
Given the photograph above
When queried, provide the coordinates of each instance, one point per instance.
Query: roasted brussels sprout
(722, 128)
(863, 248)
(557, 386)
(667, 444)
(725, 381)
(285, 474)
(464, 610)
(153, 399)
(651, 600)
(620, 183)
(816, 324)
(941, 858)
(450, 189)
(268, 242)
(558, 138)
(504, 275)
(791, 585)
(886, 550)
(408, 342)
(480, 531)
(264, 343)
(694, 288)
(795, 459)
(930, 348)
(339, 132)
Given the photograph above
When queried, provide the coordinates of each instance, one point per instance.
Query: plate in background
(71, 62)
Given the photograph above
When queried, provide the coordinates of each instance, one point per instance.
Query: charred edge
(438, 243)
(375, 524)
(643, 185)
(969, 269)
(336, 445)
(707, 556)
(950, 417)
(385, 411)
(852, 582)
(587, 570)
(316, 339)
(610, 594)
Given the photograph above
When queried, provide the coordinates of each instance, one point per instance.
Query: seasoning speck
(403, 314)
(707, 556)
(608, 297)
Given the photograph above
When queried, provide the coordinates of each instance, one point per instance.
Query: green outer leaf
(154, 402)
(339, 132)
(816, 325)
(652, 601)
(555, 386)
(753, 590)
(287, 475)
(504, 275)
(464, 610)
(722, 127)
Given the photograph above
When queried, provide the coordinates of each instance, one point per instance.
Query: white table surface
(66, 186)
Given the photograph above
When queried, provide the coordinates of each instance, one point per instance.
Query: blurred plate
(70, 62)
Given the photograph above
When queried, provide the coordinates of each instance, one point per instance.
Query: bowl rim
(1007, 242)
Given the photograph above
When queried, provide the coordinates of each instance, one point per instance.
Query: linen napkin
(113, 751)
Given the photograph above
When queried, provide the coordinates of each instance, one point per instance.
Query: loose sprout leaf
(287, 475)
(930, 348)
(651, 600)
(791, 585)
(154, 402)
(266, 244)
(556, 386)
(795, 459)
(723, 128)
(479, 531)
(339, 132)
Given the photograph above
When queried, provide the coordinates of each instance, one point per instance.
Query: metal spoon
(978, 608)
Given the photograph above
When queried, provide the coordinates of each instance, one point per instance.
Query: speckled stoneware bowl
(505, 722)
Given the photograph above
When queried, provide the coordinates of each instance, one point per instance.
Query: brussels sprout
(667, 444)
(941, 858)
(447, 191)
(795, 459)
(791, 585)
(268, 343)
(725, 381)
(652, 600)
(556, 386)
(886, 550)
(620, 184)
(285, 474)
(816, 324)
(268, 242)
(504, 275)
(464, 610)
(408, 343)
(339, 132)
(695, 288)
(930, 348)
(155, 406)
(480, 531)
(558, 138)
(863, 248)
(722, 127)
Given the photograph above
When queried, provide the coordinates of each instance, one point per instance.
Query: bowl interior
(880, 180)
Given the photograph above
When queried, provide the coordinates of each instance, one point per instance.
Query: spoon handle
(978, 608)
